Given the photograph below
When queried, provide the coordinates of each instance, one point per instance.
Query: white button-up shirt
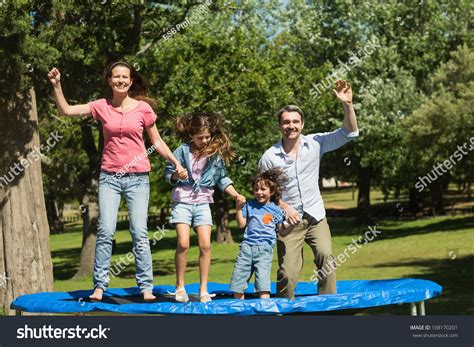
(302, 190)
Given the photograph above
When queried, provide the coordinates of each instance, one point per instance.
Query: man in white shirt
(299, 157)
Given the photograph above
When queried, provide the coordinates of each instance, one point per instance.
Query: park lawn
(345, 197)
(439, 249)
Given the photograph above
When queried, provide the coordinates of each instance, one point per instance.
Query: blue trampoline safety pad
(350, 295)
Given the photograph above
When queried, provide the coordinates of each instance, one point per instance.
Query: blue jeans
(136, 190)
(252, 258)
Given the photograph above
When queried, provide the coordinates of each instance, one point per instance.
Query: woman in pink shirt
(124, 168)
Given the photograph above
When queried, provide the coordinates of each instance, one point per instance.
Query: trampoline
(350, 295)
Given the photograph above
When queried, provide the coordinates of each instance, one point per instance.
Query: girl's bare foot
(97, 295)
(148, 296)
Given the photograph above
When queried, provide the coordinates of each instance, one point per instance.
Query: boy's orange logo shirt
(267, 218)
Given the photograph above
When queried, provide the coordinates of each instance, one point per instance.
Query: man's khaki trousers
(290, 256)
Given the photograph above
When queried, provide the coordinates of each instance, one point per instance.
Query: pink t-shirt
(124, 146)
(186, 194)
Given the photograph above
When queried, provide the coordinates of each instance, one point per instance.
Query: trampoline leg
(413, 309)
(421, 308)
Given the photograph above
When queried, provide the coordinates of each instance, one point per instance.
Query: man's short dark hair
(290, 108)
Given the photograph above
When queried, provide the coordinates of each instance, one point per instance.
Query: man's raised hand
(343, 91)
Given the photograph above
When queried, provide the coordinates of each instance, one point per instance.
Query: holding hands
(182, 172)
(240, 201)
(291, 215)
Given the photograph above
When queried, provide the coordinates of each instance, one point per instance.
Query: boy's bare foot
(97, 295)
(148, 296)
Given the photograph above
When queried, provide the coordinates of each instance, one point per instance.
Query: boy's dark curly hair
(274, 179)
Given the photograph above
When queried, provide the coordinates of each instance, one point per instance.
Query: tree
(447, 117)
(388, 83)
(25, 258)
(226, 64)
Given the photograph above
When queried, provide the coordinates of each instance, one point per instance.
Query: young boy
(262, 219)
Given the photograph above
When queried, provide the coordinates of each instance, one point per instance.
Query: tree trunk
(221, 216)
(90, 218)
(89, 202)
(55, 221)
(25, 256)
(437, 201)
(363, 201)
(413, 202)
(445, 183)
(468, 190)
(60, 208)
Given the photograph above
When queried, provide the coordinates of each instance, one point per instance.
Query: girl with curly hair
(205, 150)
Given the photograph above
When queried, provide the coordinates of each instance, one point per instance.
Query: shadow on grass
(64, 270)
(68, 265)
(455, 276)
(164, 267)
(68, 262)
(447, 225)
(392, 230)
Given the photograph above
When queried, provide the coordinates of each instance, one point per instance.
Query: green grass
(343, 198)
(418, 249)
